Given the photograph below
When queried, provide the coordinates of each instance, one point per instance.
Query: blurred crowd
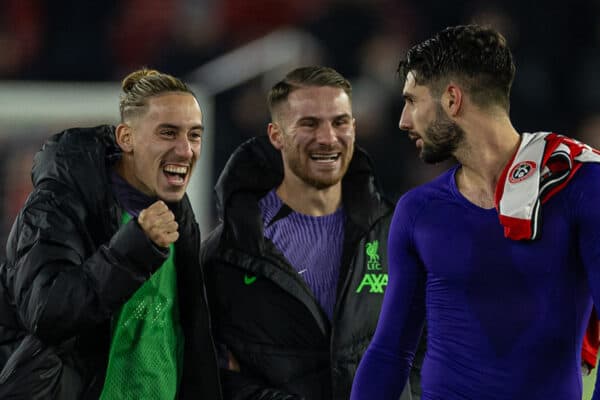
(556, 47)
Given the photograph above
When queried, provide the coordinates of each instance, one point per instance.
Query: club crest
(521, 171)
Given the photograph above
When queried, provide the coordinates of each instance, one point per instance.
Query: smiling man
(297, 270)
(102, 289)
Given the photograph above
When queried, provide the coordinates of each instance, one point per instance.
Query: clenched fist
(158, 223)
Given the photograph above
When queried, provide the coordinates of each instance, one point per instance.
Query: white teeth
(173, 169)
(324, 156)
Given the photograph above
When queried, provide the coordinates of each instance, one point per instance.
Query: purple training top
(131, 199)
(312, 245)
(505, 318)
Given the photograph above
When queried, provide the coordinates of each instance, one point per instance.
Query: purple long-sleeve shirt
(505, 318)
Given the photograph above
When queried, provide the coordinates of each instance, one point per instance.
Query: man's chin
(323, 183)
(171, 197)
(434, 157)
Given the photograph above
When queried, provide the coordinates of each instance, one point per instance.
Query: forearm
(384, 369)
(56, 294)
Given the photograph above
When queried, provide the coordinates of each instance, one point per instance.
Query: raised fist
(158, 223)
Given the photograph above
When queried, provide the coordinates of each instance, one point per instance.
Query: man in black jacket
(91, 304)
(297, 269)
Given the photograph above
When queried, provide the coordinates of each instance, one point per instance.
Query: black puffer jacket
(264, 313)
(70, 266)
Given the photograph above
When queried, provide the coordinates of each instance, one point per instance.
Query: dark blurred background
(234, 50)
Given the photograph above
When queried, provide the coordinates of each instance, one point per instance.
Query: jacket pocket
(35, 371)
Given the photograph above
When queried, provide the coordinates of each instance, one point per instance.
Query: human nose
(405, 122)
(183, 148)
(327, 134)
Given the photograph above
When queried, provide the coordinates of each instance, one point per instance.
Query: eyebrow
(344, 115)
(173, 126)
(408, 96)
(314, 117)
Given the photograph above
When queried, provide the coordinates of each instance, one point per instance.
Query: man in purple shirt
(505, 317)
(297, 269)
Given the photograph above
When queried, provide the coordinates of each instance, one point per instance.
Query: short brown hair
(303, 77)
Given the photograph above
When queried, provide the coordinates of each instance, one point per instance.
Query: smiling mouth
(176, 174)
(325, 157)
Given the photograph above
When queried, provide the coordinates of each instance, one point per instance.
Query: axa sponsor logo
(375, 281)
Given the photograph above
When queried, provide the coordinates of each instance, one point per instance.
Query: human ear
(275, 135)
(452, 99)
(124, 138)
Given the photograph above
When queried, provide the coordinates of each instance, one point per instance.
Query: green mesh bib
(146, 350)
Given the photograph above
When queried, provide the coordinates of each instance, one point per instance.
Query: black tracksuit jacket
(71, 265)
(264, 313)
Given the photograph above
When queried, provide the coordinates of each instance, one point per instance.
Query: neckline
(461, 198)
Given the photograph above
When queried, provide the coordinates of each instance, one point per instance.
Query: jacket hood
(78, 158)
(256, 167)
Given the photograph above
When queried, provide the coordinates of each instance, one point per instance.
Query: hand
(158, 223)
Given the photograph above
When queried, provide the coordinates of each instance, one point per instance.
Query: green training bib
(146, 350)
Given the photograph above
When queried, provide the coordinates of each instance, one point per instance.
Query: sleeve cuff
(130, 242)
